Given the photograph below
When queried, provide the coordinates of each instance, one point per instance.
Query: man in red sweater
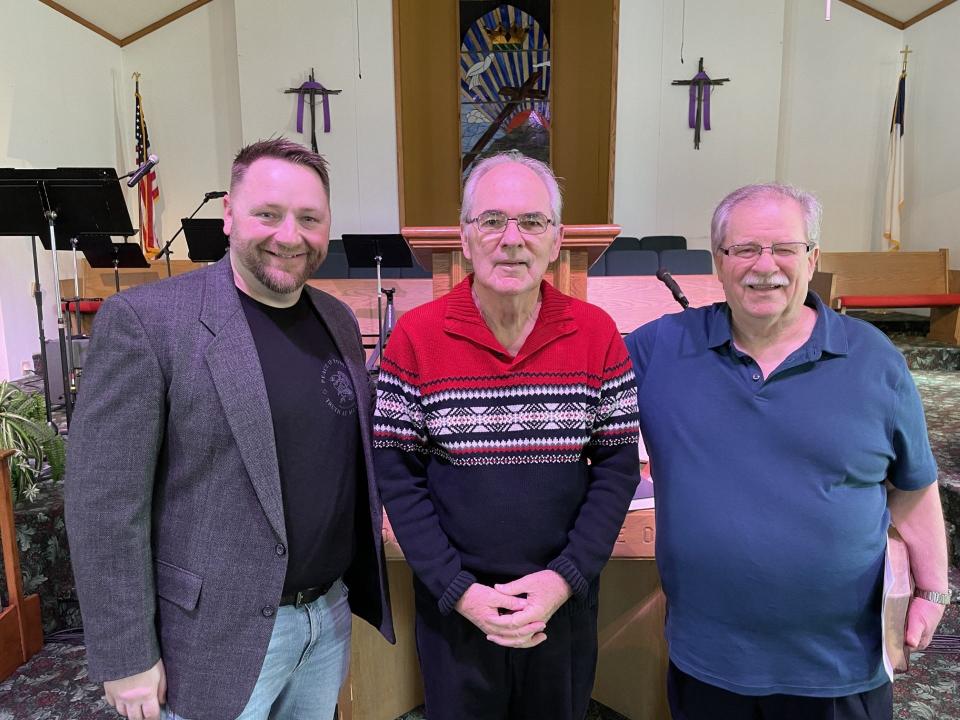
(506, 453)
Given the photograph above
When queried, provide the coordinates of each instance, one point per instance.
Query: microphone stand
(165, 250)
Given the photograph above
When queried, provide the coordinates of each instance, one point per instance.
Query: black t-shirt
(314, 410)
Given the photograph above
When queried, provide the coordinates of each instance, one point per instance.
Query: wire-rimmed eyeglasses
(751, 251)
(494, 222)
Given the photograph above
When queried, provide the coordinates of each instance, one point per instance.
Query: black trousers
(691, 699)
(467, 677)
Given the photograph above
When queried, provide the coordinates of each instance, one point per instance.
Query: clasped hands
(515, 614)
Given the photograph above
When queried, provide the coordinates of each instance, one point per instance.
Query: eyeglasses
(750, 251)
(494, 222)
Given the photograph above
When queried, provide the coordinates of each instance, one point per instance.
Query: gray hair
(541, 169)
(811, 207)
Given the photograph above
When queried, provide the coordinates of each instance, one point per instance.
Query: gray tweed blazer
(173, 503)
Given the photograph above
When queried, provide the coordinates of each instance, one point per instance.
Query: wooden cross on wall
(698, 113)
(310, 90)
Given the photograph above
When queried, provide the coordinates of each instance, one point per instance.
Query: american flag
(893, 197)
(149, 188)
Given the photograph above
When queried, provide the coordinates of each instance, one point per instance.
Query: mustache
(774, 278)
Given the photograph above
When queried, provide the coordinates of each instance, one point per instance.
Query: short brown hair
(280, 148)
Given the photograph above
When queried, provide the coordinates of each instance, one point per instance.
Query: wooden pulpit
(438, 248)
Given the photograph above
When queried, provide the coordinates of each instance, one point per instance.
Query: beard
(279, 280)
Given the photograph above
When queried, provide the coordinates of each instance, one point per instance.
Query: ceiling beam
(122, 42)
(875, 13)
(928, 12)
(163, 21)
(83, 21)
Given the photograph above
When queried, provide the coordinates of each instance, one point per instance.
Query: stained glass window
(504, 79)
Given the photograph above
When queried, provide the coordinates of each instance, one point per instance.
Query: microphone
(664, 276)
(214, 194)
(142, 170)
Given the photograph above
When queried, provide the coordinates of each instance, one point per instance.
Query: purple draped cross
(692, 110)
(698, 111)
(311, 85)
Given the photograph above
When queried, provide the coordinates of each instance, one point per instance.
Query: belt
(307, 595)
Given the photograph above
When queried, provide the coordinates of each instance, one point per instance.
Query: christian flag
(893, 205)
(149, 187)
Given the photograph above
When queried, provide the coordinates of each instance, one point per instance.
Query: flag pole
(136, 95)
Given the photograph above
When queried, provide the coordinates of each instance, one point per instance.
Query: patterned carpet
(54, 685)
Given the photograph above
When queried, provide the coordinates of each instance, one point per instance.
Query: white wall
(809, 103)
(932, 139)
(662, 184)
(56, 110)
(191, 96)
(839, 83)
(277, 50)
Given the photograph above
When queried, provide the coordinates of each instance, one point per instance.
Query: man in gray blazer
(220, 495)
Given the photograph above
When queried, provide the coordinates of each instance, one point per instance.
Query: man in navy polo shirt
(783, 439)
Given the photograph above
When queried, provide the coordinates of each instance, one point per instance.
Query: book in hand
(897, 592)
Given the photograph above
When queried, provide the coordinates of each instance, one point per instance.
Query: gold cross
(905, 52)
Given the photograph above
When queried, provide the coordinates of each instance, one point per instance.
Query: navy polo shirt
(771, 508)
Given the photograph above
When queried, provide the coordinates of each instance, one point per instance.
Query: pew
(881, 280)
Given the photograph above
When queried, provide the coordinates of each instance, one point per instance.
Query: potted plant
(23, 429)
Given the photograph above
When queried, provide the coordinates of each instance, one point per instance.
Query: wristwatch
(933, 596)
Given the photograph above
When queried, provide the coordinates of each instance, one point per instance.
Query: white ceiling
(901, 10)
(122, 18)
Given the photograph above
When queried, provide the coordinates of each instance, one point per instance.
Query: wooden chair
(21, 635)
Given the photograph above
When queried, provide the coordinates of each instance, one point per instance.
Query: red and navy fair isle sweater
(494, 466)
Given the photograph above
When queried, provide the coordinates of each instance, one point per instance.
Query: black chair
(631, 262)
(335, 266)
(599, 268)
(622, 243)
(625, 242)
(687, 262)
(663, 242)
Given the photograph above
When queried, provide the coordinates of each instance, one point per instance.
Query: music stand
(82, 243)
(115, 255)
(70, 202)
(21, 213)
(377, 251)
(206, 241)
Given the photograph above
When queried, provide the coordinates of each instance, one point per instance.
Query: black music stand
(82, 243)
(378, 251)
(206, 241)
(69, 202)
(115, 255)
(166, 249)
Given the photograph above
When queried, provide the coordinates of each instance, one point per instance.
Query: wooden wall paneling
(633, 301)
(614, 69)
(361, 296)
(583, 48)
(100, 282)
(427, 47)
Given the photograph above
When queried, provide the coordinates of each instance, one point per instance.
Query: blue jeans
(306, 662)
